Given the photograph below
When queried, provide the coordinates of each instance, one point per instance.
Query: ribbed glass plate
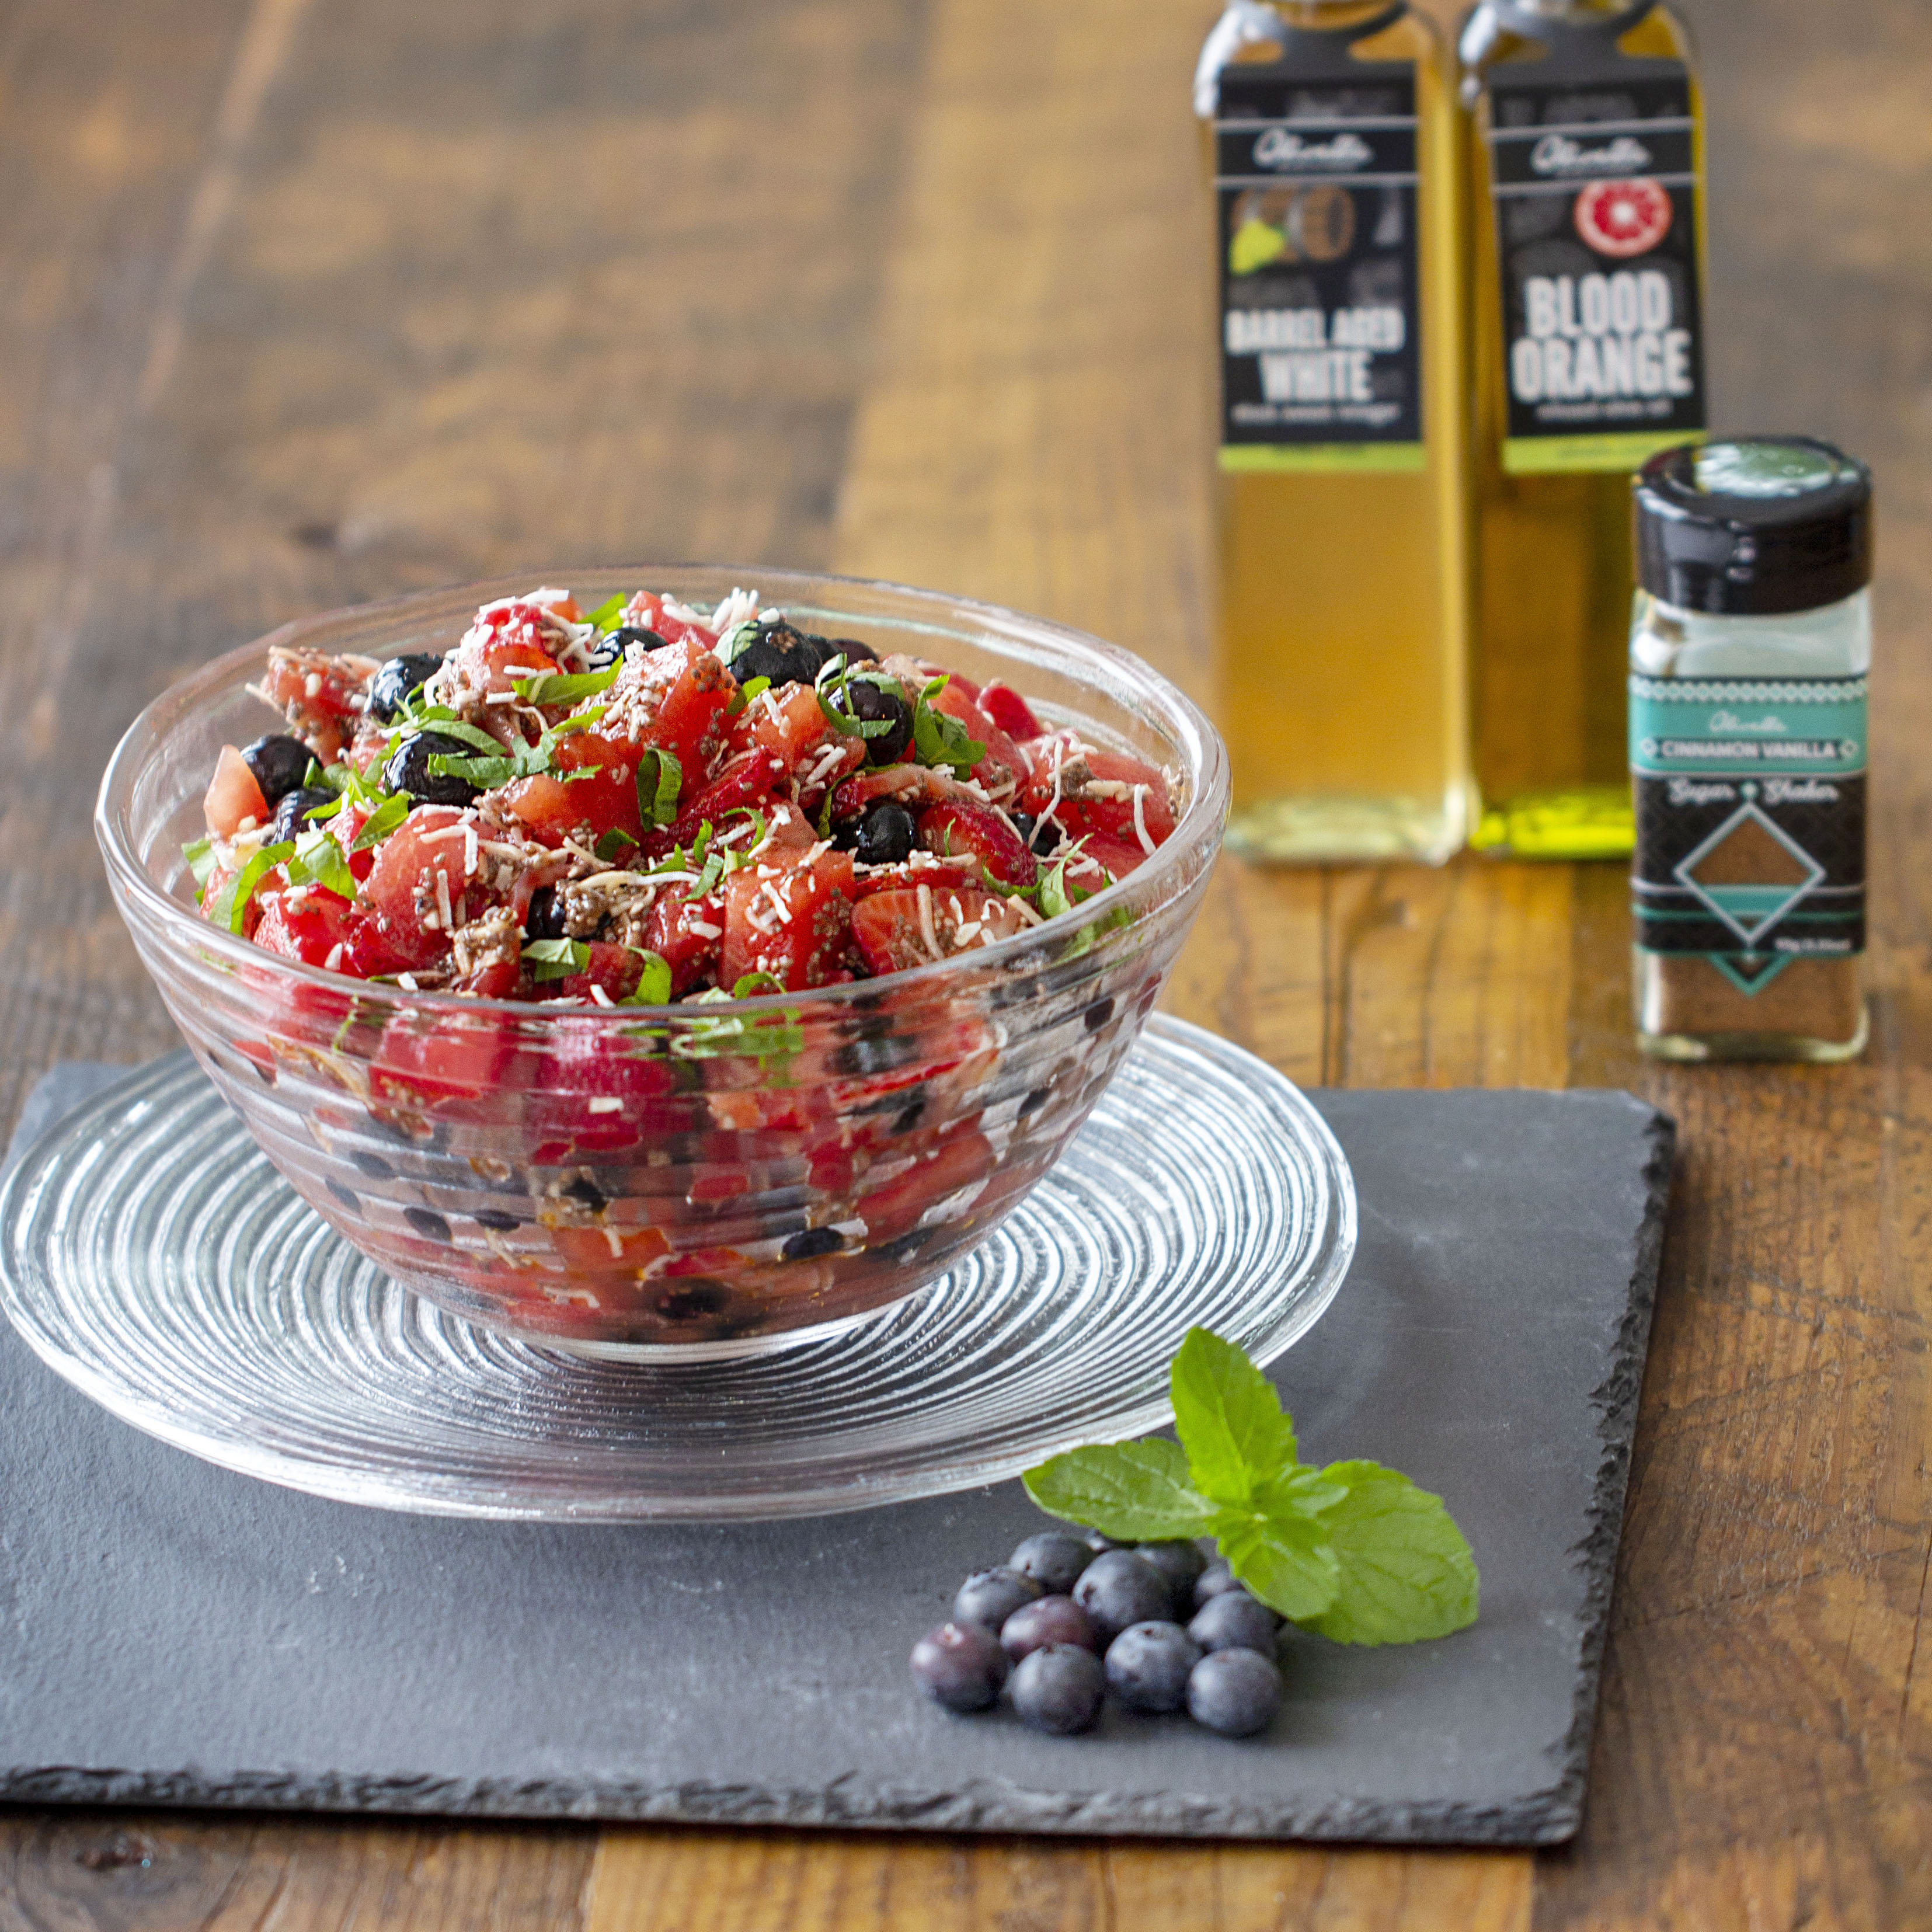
(153, 1258)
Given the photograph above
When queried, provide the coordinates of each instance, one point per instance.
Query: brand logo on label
(1280, 149)
(1558, 155)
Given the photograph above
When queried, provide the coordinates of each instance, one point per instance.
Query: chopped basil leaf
(381, 822)
(834, 677)
(653, 987)
(232, 901)
(555, 687)
(611, 843)
(318, 861)
(749, 986)
(660, 780)
(749, 692)
(200, 857)
(608, 614)
(555, 959)
(487, 774)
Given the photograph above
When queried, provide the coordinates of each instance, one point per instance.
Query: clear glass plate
(153, 1258)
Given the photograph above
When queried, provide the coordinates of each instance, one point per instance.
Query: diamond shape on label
(1750, 872)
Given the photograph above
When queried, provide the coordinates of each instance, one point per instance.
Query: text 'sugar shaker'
(1343, 589)
(1748, 654)
(1586, 157)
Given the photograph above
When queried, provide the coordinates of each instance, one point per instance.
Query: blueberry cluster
(1065, 1620)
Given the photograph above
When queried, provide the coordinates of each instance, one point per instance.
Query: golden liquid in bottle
(1553, 568)
(1341, 655)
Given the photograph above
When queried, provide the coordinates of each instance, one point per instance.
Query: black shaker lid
(1753, 525)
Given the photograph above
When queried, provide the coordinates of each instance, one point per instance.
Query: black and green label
(1751, 820)
(1595, 189)
(1316, 190)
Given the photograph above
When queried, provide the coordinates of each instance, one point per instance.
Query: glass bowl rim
(1086, 657)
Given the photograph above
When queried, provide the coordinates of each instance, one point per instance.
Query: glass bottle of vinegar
(1330, 134)
(1584, 160)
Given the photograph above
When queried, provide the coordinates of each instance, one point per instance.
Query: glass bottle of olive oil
(1331, 143)
(1585, 162)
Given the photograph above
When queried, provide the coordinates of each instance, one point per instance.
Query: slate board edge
(1550, 1816)
(1546, 1818)
(1615, 1402)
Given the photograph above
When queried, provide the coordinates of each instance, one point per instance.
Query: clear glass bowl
(628, 1180)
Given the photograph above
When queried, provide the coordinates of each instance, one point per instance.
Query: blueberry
(427, 1223)
(782, 653)
(1181, 1563)
(1212, 1581)
(279, 763)
(409, 771)
(1025, 824)
(544, 918)
(1059, 1689)
(1235, 1692)
(885, 835)
(581, 1188)
(1117, 1589)
(1099, 1014)
(292, 814)
(855, 652)
(390, 687)
(1054, 1561)
(809, 1243)
(876, 703)
(1047, 837)
(1147, 1665)
(960, 1666)
(495, 1219)
(989, 1597)
(1044, 1620)
(1235, 1620)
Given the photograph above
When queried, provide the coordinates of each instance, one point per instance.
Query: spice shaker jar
(1749, 646)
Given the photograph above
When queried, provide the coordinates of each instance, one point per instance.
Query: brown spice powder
(1684, 994)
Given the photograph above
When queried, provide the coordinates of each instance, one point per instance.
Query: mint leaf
(939, 739)
(1288, 1560)
(1229, 1420)
(1133, 1491)
(1407, 1572)
(200, 857)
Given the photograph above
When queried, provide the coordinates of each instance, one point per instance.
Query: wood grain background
(303, 302)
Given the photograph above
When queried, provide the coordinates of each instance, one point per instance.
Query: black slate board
(173, 1634)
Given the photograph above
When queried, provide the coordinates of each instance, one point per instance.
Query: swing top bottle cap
(1754, 526)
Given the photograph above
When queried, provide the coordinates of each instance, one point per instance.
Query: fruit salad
(645, 803)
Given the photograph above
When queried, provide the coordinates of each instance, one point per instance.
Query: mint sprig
(940, 740)
(1354, 1551)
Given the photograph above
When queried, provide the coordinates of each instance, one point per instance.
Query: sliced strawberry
(894, 931)
(1009, 711)
(616, 969)
(980, 834)
(895, 1206)
(744, 782)
(646, 611)
(1099, 795)
(951, 875)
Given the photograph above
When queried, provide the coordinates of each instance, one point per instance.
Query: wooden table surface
(305, 301)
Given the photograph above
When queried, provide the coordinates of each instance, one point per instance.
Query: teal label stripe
(1768, 728)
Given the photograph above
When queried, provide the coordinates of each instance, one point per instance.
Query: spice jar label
(1321, 319)
(1751, 820)
(1595, 196)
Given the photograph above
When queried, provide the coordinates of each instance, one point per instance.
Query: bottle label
(1320, 315)
(1751, 820)
(1594, 186)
